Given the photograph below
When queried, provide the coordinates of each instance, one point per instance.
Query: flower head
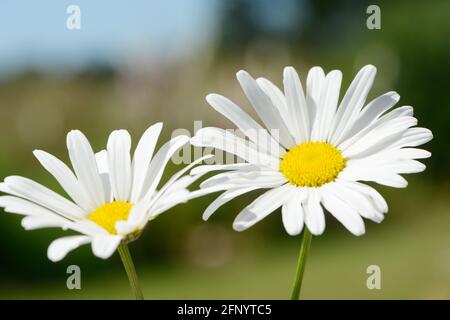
(312, 153)
(114, 195)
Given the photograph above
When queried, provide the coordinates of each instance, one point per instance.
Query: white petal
(85, 166)
(314, 216)
(358, 201)
(292, 216)
(239, 179)
(169, 200)
(377, 198)
(388, 164)
(314, 85)
(224, 198)
(227, 141)
(404, 167)
(389, 156)
(216, 167)
(59, 248)
(141, 159)
(87, 227)
(296, 105)
(37, 193)
(101, 158)
(413, 137)
(159, 163)
(411, 153)
(136, 220)
(106, 182)
(265, 109)
(380, 123)
(176, 192)
(34, 222)
(103, 167)
(326, 104)
(262, 207)
(374, 110)
(119, 162)
(65, 178)
(104, 246)
(352, 103)
(343, 213)
(24, 207)
(379, 138)
(278, 100)
(385, 178)
(138, 214)
(253, 130)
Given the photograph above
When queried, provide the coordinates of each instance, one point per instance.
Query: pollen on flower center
(312, 164)
(108, 214)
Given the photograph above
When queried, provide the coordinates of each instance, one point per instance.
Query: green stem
(301, 264)
(131, 271)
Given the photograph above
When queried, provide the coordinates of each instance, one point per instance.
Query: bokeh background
(134, 63)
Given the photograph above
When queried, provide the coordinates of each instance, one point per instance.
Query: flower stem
(301, 264)
(131, 271)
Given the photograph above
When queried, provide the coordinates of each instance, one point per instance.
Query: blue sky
(34, 33)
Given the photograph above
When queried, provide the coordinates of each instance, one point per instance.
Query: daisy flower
(113, 194)
(313, 153)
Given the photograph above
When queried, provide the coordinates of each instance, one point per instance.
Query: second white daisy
(312, 153)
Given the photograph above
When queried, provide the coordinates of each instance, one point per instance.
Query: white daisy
(114, 195)
(319, 154)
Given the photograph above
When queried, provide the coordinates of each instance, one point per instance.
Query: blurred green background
(135, 63)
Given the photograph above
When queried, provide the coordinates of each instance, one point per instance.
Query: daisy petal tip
(316, 69)
(289, 70)
(73, 132)
(54, 254)
(369, 68)
(360, 230)
(243, 75)
(104, 248)
(379, 220)
(211, 97)
(293, 233)
(336, 75)
(395, 95)
(421, 168)
(239, 227)
(38, 154)
(53, 258)
(359, 233)
(317, 232)
(24, 224)
(240, 223)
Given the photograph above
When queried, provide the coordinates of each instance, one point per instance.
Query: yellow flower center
(312, 164)
(108, 214)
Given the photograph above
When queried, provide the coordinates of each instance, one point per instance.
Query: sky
(33, 34)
